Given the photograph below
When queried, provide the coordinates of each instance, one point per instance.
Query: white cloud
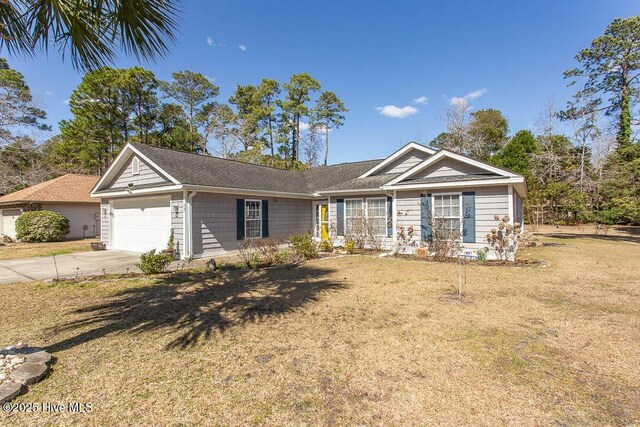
(242, 47)
(423, 100)
(48, 92)
(476, 93)
(397, 112)
(462, 100)
(66, 101)
(211, 79)
(210, 41)
(305, 127)
(458, 101)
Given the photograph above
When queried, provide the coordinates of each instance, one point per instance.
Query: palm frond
(90, 31)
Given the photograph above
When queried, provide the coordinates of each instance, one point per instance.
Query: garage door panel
(141, 224)
(9, 217)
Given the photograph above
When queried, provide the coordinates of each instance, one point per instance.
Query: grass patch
(342, 341)
(27, 250)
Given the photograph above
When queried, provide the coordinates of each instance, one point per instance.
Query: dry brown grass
(343, 341)
(26, 250)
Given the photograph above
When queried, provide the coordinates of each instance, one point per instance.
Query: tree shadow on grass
(199, 306)
(607, 237)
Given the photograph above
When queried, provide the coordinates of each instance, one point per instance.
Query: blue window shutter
(469, 217)
(265, 218)
(240, 218)
(340, 217)
(425, 217)
(389, 217)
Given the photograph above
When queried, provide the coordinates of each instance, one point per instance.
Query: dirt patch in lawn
(27, 250)
(349, 340)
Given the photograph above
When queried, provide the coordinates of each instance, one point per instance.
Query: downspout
(184, 224)
(189, 221)
(394, 225)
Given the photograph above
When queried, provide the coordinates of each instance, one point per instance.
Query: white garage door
(141, 224)
(9, 217)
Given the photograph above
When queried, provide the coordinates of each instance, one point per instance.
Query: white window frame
(461, 216)
(135, 166)
(345, 211)
(365, 209)
(246, 211)
(386, 213)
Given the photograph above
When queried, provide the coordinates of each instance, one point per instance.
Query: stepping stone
(29, 373)
(37, 356)
(9, 390)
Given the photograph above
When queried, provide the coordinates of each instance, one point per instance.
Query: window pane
(253, 229)
(376, 207)
(455, 206)
(252, 210)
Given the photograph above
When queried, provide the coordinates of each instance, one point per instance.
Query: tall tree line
(265, 123)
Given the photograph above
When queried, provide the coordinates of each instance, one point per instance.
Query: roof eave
(466, 183)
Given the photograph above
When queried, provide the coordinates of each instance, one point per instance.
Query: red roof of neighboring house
(70, 188)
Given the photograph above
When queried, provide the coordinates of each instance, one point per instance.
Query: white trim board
(453, 184)
(447, 154)
(410, 146)
(119, 161)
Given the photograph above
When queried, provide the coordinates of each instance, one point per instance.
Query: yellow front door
(324, 222)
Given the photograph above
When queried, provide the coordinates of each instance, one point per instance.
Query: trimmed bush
(154, 263)
(41, 226)
(326, 245)
(304, 246)
(350, 246)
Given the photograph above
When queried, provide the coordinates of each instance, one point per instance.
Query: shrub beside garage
(41, 226)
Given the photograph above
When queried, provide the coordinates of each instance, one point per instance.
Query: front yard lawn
(343, 341)
(26, 250)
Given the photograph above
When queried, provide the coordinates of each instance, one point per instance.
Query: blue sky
(500, 54)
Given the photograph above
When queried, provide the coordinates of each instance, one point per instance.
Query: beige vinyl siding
(177, 221)
(490, 201)
(404, 163)
(214, 220)
(146, 176)
(79, 215)
(448, 167)
(105, 221)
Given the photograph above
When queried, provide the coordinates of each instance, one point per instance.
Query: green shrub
(41, 226)
(304, 246)
(154, 263)
(350, 246)
(482, 255)
(326, 246)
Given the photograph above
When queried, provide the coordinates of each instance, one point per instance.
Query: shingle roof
(367, 183)
(196, 169)
(69, 188)
(329, 176)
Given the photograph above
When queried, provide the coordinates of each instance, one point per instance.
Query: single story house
(68, 194)
(211, 204)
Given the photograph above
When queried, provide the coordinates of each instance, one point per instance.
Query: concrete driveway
(69, 265)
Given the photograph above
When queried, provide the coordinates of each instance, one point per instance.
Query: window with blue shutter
(389, 217)
(265, 218)
(240, 218)
(425, 217)
(469, 217)
(340, 217)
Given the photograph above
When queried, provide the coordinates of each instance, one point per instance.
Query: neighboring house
(67, 194)
(211, 204)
